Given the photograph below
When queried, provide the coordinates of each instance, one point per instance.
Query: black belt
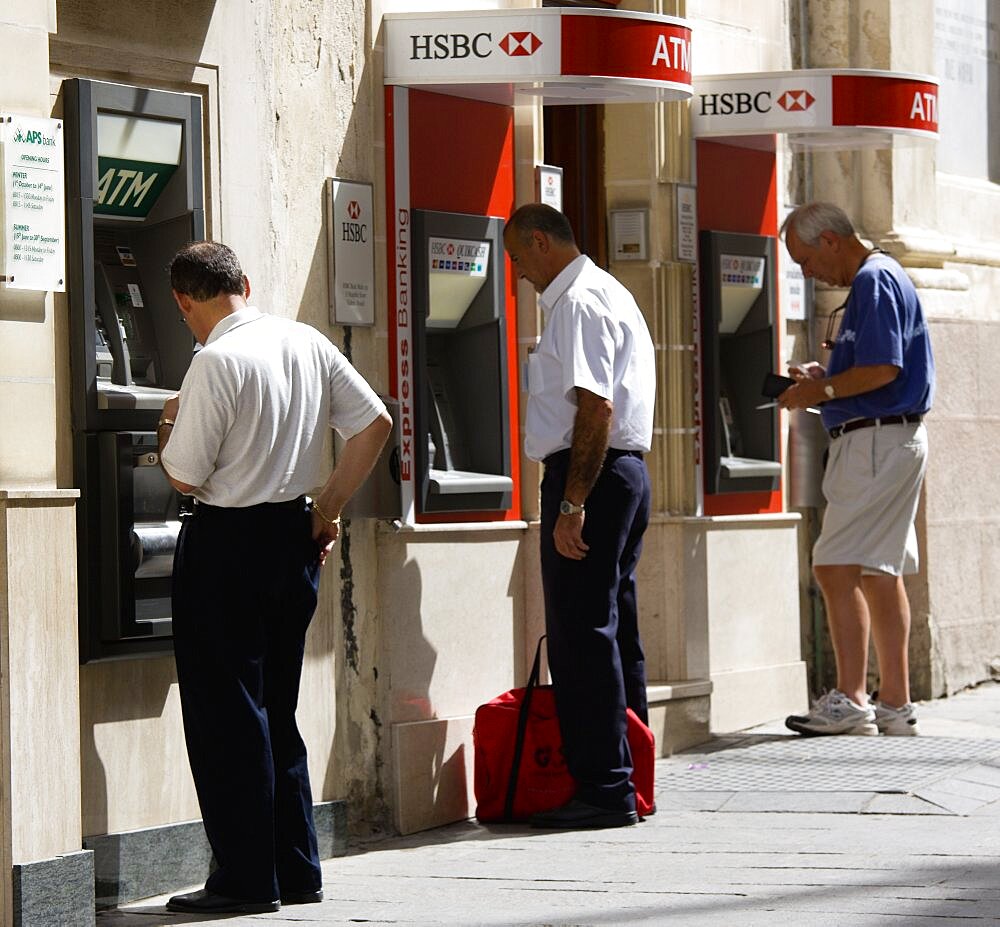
(263, 508)
(839, 430)
(612, 453)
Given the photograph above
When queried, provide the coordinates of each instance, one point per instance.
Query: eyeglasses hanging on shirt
(830, 341)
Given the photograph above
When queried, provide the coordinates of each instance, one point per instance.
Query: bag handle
(522, 727)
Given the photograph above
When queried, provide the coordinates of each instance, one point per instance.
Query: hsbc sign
(845, 104)
(796, 101)
(351, 253)
(620, 51)
(458, 45)
(520, 43)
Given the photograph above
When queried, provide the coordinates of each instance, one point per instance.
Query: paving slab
(912, 840)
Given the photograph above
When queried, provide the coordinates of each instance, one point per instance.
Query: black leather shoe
(205, 902)
(302, 897)
(578, 814)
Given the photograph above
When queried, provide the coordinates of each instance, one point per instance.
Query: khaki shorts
(872, 487)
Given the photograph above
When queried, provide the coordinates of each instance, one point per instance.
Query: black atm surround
(125, 612)
(460, 379)
(733, 369)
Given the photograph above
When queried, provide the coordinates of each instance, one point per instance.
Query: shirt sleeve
(587, 349)
(354, 405)
(879, 335)
(205, 414)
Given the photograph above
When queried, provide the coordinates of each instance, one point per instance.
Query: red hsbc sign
(796, 100)
(900, 103)
(823, 107)
(613, 54)
(628, 48)
(520, 43)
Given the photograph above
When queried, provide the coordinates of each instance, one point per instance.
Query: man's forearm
(858, 380)
(591, 428)
(355, 463)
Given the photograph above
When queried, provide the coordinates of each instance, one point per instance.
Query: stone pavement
(756, 828)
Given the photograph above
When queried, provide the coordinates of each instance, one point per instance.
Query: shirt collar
(561, 283)
(234, 320)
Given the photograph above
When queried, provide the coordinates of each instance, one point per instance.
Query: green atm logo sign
(129, 188)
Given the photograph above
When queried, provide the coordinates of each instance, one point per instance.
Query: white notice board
(351, 239)
(33, 230)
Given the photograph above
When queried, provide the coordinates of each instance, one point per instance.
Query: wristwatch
(567, 508)
(831, 393)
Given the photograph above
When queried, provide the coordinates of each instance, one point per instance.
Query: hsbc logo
(450, 45)
(796, 101)
(458, 45)
(517, 44)
(354, 231)
(739, 103)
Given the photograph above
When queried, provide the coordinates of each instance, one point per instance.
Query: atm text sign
(129, 188)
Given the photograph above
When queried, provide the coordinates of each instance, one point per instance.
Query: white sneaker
(835, 713)
(897, 722)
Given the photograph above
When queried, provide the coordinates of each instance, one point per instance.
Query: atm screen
(458, 270)
(136, 157)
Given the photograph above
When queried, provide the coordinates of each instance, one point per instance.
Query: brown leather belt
(839, 430)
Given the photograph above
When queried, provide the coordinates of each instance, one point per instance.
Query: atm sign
(129, 188)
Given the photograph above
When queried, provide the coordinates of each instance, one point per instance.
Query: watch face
(565, 508)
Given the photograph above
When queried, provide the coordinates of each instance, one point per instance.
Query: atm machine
(739, 338)
(460, 364)
(134, 192)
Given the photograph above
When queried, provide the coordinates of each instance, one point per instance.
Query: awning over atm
(556, 55)
(836, 109)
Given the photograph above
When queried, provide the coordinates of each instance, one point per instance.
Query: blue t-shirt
(883, 323)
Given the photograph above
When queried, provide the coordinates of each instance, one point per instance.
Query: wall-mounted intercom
(134, 190)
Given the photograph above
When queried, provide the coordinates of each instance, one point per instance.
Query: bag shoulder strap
(522, 726)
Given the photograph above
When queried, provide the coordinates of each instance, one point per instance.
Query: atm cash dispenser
(739, 349)
(134, 197)
(460, 364)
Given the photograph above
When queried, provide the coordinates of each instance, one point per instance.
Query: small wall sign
(351, 240)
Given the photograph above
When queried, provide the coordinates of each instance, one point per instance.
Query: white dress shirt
(255, 406)
(596, 338)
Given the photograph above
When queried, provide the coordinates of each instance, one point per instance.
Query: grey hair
(542, 218)
(810, 220)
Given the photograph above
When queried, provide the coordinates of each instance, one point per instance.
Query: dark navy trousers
(245, 585)
(591, 619)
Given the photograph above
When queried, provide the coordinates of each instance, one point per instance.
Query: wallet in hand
(775, 384)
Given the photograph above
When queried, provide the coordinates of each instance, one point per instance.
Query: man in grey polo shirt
(245, 437)
(874, 392)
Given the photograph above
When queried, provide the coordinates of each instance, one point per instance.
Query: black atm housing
(741, 441)
(129, 350)
(462, 421)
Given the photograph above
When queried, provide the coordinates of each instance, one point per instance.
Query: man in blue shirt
(874, 392)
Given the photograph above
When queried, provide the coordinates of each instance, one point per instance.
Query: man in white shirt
(245, 438)
(591, 388)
